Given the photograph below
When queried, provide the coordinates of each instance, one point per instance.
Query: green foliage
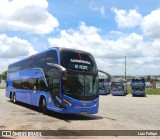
(148, 91)
(4, 75)
(152, 91)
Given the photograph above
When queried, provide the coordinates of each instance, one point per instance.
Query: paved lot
(115, 113)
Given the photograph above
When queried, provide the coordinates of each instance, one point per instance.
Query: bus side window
(56, 86)
(56, 82)
(41, 85)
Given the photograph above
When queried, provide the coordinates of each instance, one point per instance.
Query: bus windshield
(81, 87)
(101, 80)
(116, 86)
(138, 86)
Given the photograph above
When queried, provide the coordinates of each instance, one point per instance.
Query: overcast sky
(109, 29)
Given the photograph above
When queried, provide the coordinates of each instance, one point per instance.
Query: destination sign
(77, 61)
(80, 61)
(79, 67)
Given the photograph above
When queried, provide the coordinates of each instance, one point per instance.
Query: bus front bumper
(138, 93)
(73, 106)
(117, 93)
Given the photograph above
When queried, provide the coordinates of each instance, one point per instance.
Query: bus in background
(104, 85)
(138, 86)
(118, 87)
(58, 79)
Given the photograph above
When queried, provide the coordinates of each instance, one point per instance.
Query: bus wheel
(11, 98)
(14, 98)
(43, 106)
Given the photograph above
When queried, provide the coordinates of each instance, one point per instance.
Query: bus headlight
(68, 103)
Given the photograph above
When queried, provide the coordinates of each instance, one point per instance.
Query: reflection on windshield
(101, 80)
(117, 87)
(82, 87)
(138, 86)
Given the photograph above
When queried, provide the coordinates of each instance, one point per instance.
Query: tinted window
(30, 84)
(36, 61)
(27, 84)
(41, 85)
(117, 86)
(77, 61)
(81, 87)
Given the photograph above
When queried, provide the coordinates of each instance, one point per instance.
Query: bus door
(38, 88)
(54, 86)
(34, 98)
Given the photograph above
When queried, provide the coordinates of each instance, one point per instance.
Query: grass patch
(152, 91)
(2, 87)
(148, 91)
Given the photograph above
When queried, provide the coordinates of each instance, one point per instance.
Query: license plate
(83, 112)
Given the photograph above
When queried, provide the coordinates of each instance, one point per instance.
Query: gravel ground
(115, 113)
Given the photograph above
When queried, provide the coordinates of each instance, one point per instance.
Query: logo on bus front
(80, 61)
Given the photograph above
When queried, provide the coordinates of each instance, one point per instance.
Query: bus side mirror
(64, 73)
(61, 68)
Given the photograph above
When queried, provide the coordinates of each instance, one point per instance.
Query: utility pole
(125, 67)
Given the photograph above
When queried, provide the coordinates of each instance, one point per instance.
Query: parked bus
(118, 87)
(138, 86)
(104, 85)
(58, 79)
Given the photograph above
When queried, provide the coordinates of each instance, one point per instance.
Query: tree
(148, 78)
(4, 75)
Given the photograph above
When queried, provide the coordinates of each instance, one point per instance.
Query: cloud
(89, 39)
(109, 53)
(14, 47)
(126, 19)
(100, 9)
(30, 16)
(151, 24)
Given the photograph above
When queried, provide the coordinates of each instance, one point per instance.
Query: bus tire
(14, 98)
(11, 98)
(43, 106)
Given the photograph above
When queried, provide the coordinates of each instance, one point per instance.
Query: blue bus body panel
(26, 74)
(77, 106)
(138, 93)
(105, 90)
(33, 96)
(26, 96)
(117, 93)
(102, 92)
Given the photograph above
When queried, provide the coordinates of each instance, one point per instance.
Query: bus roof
(70, 49)
(138, 79)
(52, 48)
(118, 80)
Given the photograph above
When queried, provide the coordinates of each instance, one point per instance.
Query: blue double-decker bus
(138, 86)
(58, 79)
(118, 87)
